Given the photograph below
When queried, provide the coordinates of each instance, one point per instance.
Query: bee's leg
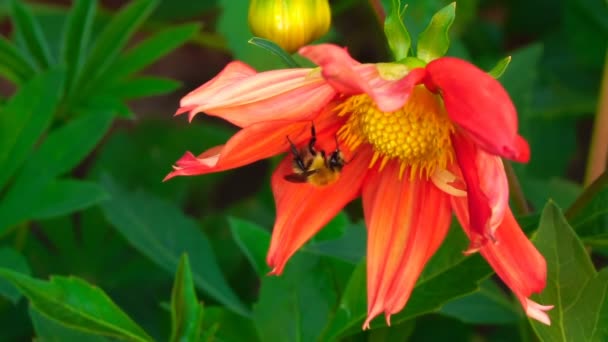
(313, 140)
(297, 158)
(292, 147)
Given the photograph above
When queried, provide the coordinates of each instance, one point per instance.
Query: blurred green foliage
(85, 143)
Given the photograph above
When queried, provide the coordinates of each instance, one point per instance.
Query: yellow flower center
(417, 135)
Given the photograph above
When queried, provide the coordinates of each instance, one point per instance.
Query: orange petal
(243, 97)
(233, 72)
(407, 221)
(303, 209)
(350, 77)
(516, 261)
(256, 142)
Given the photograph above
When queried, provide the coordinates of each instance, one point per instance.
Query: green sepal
(398, 70)
(398, 37)
(434, 42)
(275, 49)
(500, 67)
(412, 62)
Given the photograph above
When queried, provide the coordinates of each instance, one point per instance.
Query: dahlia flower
(419, 144)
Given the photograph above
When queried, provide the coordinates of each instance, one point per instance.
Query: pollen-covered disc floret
(417, 135)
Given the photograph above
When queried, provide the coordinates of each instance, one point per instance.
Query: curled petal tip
(169, 176)
(518, 151)
(388, 319)
(366, 324)
(182, 110)
(523, 150)
(275, 271)
(191, 116)
(537, 311)
(471, 250)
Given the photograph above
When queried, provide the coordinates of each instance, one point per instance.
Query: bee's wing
(299, 177)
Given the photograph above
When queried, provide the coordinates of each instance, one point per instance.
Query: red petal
(479, 104)
(243, 97)
(349, 77)
(303, 209)
(478, 201)
(256, 142)
(516, 261)
(407, 221)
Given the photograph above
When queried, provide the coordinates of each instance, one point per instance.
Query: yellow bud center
(417, 135)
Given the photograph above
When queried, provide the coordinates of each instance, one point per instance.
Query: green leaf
(76, 36)
(224, 325)
(49, 330)
(578, 292)
(11, 259)
(434, 328)
(67, 146)
(554, 142)
(434, 41)
(63, 149)
(396, 33)
(104, 102)
(276, 50)
(29, 31)
(13, 64)
(500, 67)
(62, 197)
(163, 143)
(350, 247)
(489, 305)
(563, 99)
(334, 229)
(114, 37)
(75, 303)
(307, 285)
(160, 231)
(142, 86)
(186, 311)
(539, 190)
(150, 50)
(296, 305)
(253, 241)
(24, 118)
(399, 332)
(521, 76)
(585, 28)
(447, 276)
(590, 221)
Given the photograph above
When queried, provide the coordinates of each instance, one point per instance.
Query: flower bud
(289, 23)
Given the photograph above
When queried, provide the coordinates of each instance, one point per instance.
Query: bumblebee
(314, 166)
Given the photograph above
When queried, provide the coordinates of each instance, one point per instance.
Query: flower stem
(515, 191)
(376, 5)
(588, 195)
(598, 151)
